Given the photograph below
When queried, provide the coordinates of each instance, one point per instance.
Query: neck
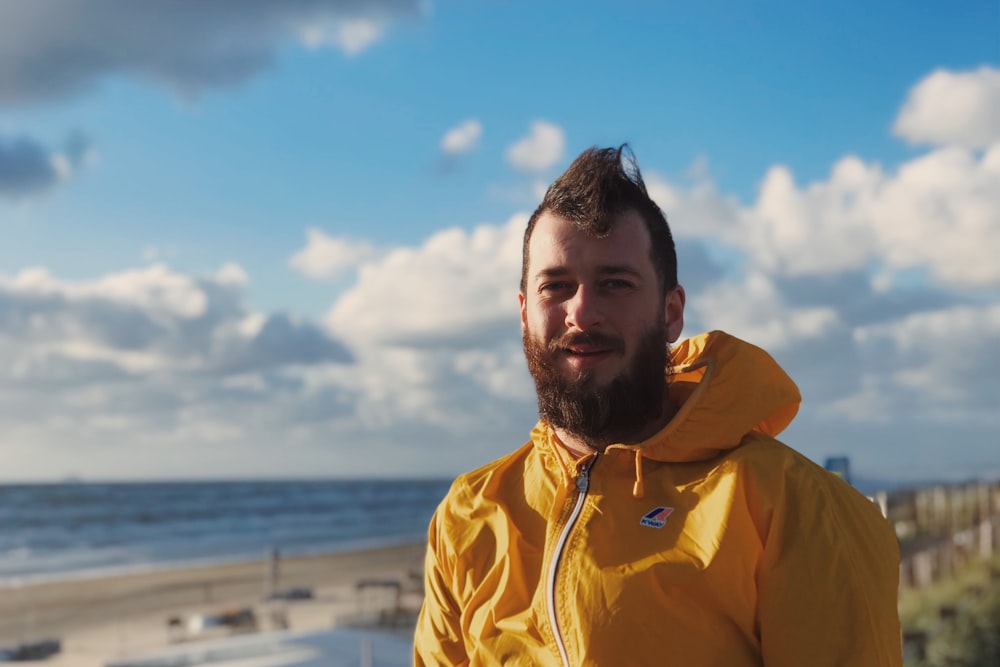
(579, 445)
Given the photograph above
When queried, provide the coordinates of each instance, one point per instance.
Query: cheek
(543, 323)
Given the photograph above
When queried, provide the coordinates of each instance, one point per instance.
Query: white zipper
(582, 484)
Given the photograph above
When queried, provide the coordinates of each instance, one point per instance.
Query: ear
(524, 311)
(673, 313)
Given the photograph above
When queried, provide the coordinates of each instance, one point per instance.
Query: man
(648, 522)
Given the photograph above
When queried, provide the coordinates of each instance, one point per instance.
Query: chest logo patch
(657, 517)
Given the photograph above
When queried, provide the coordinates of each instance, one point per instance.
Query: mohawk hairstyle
(600, 186)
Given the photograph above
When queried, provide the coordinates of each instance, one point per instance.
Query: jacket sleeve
(828, 580)
(438, 639)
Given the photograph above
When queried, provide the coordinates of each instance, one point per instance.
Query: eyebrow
(606, 270)
(615, 269)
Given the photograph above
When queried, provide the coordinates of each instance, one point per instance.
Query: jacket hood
(723, 388)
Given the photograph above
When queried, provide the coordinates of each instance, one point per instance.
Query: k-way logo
(656, 518)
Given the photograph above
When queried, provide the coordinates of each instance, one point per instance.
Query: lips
(588, 359)
(587, 343)
(586, 350)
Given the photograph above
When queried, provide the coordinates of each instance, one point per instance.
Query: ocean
(60, 531)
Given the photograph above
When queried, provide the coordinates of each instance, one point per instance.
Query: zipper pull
(583, 478)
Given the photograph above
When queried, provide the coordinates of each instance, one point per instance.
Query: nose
(582, 310)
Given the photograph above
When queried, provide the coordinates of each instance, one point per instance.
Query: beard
(600, 415)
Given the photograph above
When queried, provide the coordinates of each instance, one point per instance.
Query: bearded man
(652, 519)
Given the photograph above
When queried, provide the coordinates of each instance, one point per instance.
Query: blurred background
(259, 240)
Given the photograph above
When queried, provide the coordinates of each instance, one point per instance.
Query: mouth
(586, 356)
(584, 351)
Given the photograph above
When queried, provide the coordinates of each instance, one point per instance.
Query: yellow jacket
(710, 544)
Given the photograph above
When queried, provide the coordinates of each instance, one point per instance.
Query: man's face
(596, 328)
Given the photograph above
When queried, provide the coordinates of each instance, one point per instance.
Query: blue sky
(239, 242)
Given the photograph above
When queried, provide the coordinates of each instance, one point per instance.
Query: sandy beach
(102, 619)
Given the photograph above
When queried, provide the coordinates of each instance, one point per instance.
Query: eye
(554, 286)
(616, 284)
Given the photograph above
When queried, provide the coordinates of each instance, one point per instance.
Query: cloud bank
(55, 48)
(144, 367)
(873, 286)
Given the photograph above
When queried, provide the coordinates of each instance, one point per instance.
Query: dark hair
(600, 185)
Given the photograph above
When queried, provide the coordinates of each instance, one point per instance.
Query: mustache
(588, 338)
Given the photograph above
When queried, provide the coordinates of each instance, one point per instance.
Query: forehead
(556, 243)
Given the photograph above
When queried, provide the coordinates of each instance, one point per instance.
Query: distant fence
(941, 528)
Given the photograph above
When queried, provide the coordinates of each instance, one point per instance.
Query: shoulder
(828, 565)
(764, 460)
(477, 507)
(477, 481)
(780, 480)
(471, 492)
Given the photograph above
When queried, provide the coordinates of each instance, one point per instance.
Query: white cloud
(327, 256)
(540, 150)
(824, 227)
(821, 228)
(457, 286)
(232, 273)
(939, 213)
(352, 36)
(62, 166)
(501, 371)
(156, 372)
(753, 309)
(462, 138)
(156, 290)
(149, 367)
(939, 365)
(152, 319)
(949, 108)
(698, 211)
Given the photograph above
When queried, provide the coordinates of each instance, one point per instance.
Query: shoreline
(99, 618)
(13, 582)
